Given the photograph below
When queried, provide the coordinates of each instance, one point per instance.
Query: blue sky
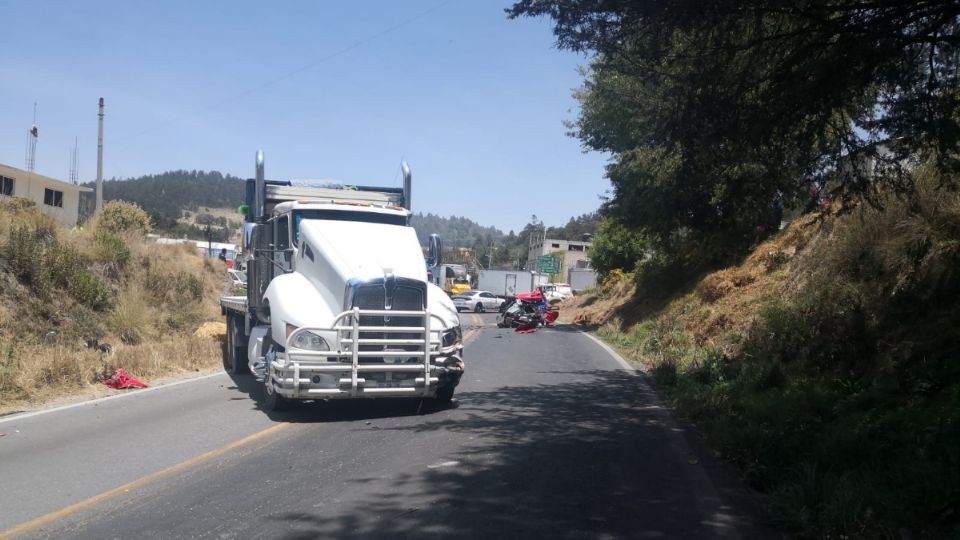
(329, 90)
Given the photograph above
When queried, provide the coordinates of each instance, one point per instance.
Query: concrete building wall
(574, 253)
(34, 186)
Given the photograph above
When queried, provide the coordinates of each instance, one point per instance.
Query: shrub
(119, 217)
(714, 287)
(16, 204)
(611, 280)
(24, 252)
(111, 250)
(617, 246)
(660, 275)
(190, 285)
(43, 264)
(130, 317)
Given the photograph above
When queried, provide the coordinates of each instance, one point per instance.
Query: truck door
(283, 254)
(510, 285)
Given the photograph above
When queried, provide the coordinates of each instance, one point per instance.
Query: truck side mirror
(436, 250)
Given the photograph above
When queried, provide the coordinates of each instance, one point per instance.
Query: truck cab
(338, 302)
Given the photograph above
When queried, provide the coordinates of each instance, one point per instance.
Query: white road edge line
(614, 354)
(23, 416)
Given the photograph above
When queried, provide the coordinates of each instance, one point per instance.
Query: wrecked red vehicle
(528, 310)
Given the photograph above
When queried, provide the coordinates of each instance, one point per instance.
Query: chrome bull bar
(312, 374)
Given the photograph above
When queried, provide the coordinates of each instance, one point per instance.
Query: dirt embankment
(78, 304)
(718, 309)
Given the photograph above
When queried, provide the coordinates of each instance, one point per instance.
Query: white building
(56, 198)
(574, 253)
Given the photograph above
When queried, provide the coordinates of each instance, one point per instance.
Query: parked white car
(237, 278)
(478, 301)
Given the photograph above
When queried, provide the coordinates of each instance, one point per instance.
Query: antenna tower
(74, 162)
(32, 136)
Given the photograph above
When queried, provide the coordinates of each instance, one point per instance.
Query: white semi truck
(338, 304)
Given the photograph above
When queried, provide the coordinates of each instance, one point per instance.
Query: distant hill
(175, 195)
(172, 192)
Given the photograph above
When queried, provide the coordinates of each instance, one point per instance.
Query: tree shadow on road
(595, 456)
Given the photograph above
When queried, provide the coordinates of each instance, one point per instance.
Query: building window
(575, 247)
(6, 186)
(52, 197)
(555, 245)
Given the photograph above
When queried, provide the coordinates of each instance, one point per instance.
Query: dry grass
(38, 374)
(720, 309)
(158, 296)
(130, 318)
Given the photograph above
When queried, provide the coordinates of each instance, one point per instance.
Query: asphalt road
(550, 437)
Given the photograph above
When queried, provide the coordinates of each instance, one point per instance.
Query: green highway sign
(547, 265)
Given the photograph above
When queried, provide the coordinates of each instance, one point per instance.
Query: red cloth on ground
(121, 379)
(526, 329)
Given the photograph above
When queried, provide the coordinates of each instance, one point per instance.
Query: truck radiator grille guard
(404, 298)
(384, 349)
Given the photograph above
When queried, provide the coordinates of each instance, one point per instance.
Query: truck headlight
(306, 340)
(451, 337)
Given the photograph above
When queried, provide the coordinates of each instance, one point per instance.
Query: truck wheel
(235, 360)
(444, 395)
(272, 401)
(478, 308)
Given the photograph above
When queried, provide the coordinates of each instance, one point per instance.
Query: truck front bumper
(400, 367)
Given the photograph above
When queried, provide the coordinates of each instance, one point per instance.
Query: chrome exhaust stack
(407, 185)
(259, 204)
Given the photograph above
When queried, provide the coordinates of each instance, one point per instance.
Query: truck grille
(399, 294)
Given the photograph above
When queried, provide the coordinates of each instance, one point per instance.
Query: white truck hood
(359, 250)
(332, 253)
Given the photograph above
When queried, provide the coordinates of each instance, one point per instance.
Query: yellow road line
(47, 519)
(475, 331)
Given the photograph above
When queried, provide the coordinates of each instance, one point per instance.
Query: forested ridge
(167, 196)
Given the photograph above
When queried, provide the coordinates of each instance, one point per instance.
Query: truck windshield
(343, 215)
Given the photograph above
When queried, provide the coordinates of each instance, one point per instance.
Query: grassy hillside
(61, 288)
(824, 366)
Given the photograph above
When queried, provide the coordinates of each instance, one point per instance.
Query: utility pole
(100, 159)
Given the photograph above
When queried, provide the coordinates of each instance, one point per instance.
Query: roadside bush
(190, 285)
(16, 204)
(617, 246)
(174, 288)
(43, 264)
(660, 275)
(130, 317)
(119, 217)
(24, 252)
(611, 280)
(112, 252)
(714, 287)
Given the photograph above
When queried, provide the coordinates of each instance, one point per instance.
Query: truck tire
(478, 308)
(235, 359)
(272, 401)
(444, 395)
